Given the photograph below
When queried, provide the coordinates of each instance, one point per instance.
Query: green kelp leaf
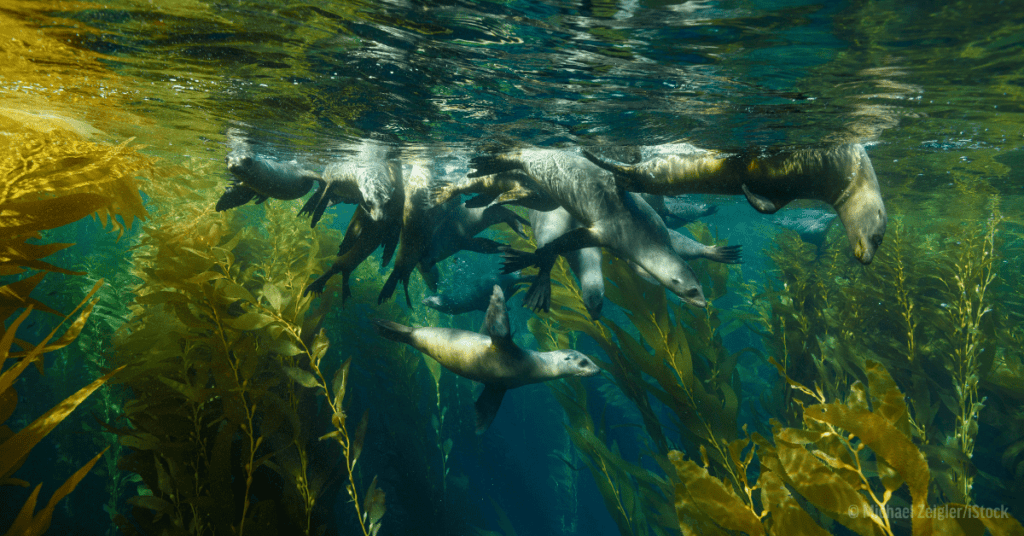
(8, 402)
(821, 486)
(714, 497)
(339, 383)
(788, 518)
(357, 440)
(302, 377)
(234, 291)
(22, 217)
(249, 321)
(373, 505)
(273, 296)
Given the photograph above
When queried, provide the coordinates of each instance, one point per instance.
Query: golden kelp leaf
(822, 487)
(15, 449)
(714, 497)
(8, 402)
(273, 296)
(302, 377)
(886, 398)
(339, 383)
(71, 333)
(788, 517)
(29, 525)
(23, 217)
(885, 440)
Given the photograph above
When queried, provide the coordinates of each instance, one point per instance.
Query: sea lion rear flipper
(762, 204)
(496, 320)
(492, 164)
(487, 406)
(513, 220)
(482, 245)
(481, 200)
(394, 331)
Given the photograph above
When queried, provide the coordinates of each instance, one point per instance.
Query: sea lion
(491, 359)
(678, 212)
(842, 176)
(419, 220)
(475, 295)
(608, 218)
(256, 177)
(369, 178)
(363, 236)
(457, 229)
(585, 262)
(509, 187)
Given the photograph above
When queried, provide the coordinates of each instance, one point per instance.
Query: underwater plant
(48, 180)
(231, 407)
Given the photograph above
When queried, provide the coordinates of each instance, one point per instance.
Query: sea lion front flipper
(487, 406)
(725, 254)
(762, 204)
(481, 200)
(235, 196)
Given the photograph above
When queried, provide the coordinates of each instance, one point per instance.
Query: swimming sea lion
(842, 176)
(585, 262)
(418, 223)
(260, 178)
(608, 218)
(492, 359)
(508, 187)
(474, 295)
(368, 178)
(679, 212)
(457, 229)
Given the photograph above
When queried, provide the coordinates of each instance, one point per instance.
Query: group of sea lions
(579, 202)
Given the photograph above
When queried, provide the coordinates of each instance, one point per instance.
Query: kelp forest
(164, 370)
(212, 397)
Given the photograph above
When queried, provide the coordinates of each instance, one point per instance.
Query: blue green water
(934, 90)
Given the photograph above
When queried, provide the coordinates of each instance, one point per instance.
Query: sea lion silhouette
(841, 176)
(491, 359)
(608, 218)
(584, 262)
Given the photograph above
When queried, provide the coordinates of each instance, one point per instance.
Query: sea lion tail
(726, 254)
(393, 330)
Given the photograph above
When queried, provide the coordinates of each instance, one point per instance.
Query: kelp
(933, 309)
(655, 364)
(230, 402)
(852, 462)
(48, 180)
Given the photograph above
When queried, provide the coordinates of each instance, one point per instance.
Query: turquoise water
(933, 90)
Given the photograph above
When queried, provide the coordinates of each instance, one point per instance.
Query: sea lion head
(677, 276)
(572, 363)
(239, 163)
(375, 189)
(861, 208)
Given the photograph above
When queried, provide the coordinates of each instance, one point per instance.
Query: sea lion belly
(470, 355)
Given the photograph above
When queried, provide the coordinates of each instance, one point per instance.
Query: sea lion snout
(239, 164)
(578, 364)
(693, 295)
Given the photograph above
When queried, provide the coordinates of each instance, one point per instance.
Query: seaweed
(48, 180)
(225, 366)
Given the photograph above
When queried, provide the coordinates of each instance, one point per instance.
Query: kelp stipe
(223, 353)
